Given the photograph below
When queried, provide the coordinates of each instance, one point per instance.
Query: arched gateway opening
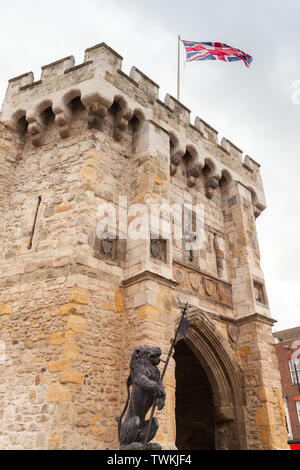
(209, 390)
(195, 427)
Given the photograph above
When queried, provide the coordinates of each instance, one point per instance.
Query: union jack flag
(213, 51)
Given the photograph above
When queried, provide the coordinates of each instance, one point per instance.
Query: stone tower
(73, 306)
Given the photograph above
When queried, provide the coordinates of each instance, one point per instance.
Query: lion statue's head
(145, 354)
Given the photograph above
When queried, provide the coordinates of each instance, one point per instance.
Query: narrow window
(292, 365)
(190, 234)
(287, 419)
(34, 222)
(298, 409)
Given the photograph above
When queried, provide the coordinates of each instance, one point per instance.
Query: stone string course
(72, 309)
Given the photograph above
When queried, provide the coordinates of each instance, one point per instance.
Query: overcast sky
(252, 107)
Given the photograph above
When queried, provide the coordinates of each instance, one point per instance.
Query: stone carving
(193, 174)
(195, 280)
(257, 211)
(259, 292)
(158, 249)
(36, 130)
(233, 334)
(122, 118)
(203, 285)
(97, 107)
(222, 292)
(173, 169)
(210, 286)
(210, 185)
(195, 171)
(96, 112)
(176, 157)
(144, 378)
(179, 276)
(155, 248)
(107, 248)
(63, 118)
(191, 181)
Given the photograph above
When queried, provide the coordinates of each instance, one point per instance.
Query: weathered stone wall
(265, 413)
(73, 307)
(9, 154)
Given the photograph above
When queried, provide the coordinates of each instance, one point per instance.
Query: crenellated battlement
(99, 81)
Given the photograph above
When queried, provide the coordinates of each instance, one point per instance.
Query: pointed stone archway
(209, 390)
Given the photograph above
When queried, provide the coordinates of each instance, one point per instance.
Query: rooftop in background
(287, 335)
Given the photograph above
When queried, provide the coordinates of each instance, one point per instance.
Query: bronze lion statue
(144, 378)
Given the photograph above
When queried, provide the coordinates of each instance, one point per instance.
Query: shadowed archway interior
(195, 428)
(210, 393)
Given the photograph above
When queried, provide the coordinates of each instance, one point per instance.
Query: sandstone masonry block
(54, 441)
(5, 309)
(77, 324)
(71, 377)
(56, 339)
(71, 351)
(56, 393)
(148, 313)
(119, 301)
(79, 296)
(58, 366)
(69, 309)
(265, 394)
(62, 208)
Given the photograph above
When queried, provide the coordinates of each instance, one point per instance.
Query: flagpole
(178, 70)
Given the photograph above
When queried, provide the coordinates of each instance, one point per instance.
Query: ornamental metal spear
(182, 329)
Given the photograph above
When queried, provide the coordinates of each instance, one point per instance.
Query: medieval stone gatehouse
(73, 306)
